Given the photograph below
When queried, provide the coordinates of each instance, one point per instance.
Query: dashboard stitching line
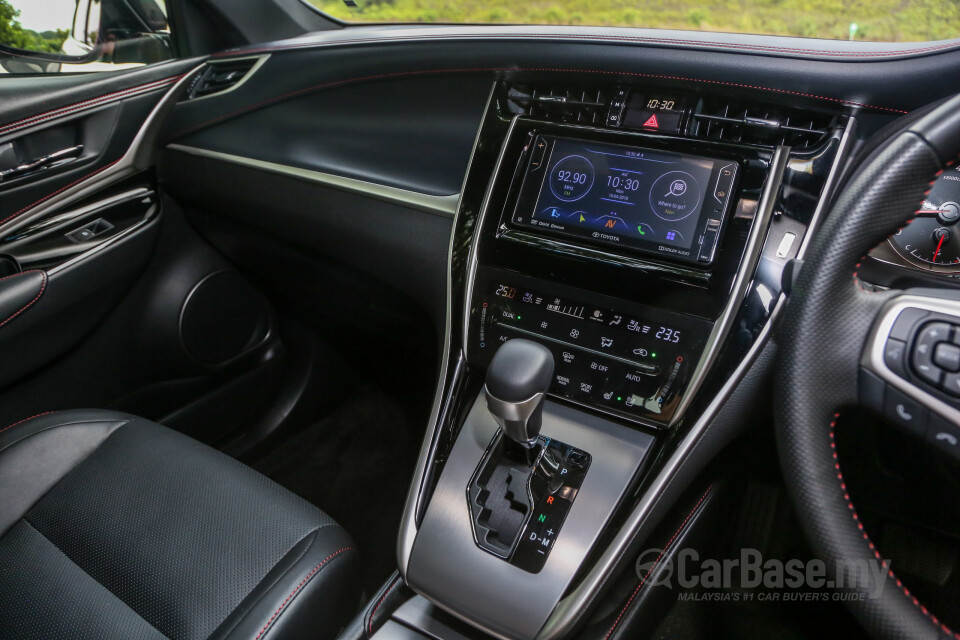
(607, 38)
(399, 74)
(297, 589)
(643, 580)
(853, 513)
(92, 102)
(43, 287)
(11, 426)
(59, 191)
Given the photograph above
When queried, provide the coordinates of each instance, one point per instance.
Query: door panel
(107, 298)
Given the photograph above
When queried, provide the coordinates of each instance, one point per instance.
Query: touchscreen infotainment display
(638, 199)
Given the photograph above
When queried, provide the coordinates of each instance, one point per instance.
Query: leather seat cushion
(149, 534)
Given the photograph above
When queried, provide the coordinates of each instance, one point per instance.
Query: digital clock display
(657, 104)
(639, 199)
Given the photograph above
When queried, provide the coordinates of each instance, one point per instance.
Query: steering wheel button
(905, 323)
(947, 356)
(893, 356)
(904, 411)
(944, 436)
(951, 384)
(930, 336)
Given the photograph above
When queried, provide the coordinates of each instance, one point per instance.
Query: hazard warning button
(661, 114)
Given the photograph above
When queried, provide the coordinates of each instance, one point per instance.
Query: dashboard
(635, 218)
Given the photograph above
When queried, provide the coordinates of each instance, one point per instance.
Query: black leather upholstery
(115, 527)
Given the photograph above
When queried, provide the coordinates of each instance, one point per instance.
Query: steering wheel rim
(824, 333)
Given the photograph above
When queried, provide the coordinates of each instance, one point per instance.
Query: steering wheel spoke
(910, 368)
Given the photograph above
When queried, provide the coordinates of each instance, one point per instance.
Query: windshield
(879, 20)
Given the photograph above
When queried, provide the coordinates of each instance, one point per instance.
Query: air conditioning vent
(572, 105)
(731, 121)
(220, 76)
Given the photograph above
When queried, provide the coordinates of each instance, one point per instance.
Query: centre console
(618, 252)
(615, 265)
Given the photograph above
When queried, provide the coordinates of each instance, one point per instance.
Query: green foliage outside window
(885, 20)
(12, 34)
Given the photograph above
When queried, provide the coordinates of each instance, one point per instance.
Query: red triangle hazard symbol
(652, 122)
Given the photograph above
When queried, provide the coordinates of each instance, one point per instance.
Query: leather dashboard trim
(108, 98)
(496, 70)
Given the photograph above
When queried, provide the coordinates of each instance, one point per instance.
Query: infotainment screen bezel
(711, 214)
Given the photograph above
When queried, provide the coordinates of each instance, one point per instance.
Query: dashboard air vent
(721, 119)
(573, 105)
(220, 76)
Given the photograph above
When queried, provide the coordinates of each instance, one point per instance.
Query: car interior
(319, 329)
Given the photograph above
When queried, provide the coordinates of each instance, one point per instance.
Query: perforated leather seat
(112, 526)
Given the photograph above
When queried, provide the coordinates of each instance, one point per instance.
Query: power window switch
(90, 231)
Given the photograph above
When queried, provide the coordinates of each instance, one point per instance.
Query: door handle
(45, 162)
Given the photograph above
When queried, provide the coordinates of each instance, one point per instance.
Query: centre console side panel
(448, 567)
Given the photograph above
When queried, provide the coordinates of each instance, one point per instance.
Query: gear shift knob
(517, 380)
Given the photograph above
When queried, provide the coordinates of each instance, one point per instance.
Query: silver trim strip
(846, 141)
(103, 246)
(136, 155)
(76, 213)
(873, 356)
(408, 525)
(748, 266)
(472, 261)
(439, 205)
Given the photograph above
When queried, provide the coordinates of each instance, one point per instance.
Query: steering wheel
(844, 344)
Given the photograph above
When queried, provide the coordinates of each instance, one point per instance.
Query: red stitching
(66, 110)
(873, 548)
(380, 602)
(298, 587)
(43, 287)
(656, 562)
(856, 268)
(11, 426)
(59, 191)
(400, 74)
(605, 38)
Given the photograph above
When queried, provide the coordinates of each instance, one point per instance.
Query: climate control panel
(621, 357)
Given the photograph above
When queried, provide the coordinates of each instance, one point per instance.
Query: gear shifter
(525, 484)
(517, 381)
